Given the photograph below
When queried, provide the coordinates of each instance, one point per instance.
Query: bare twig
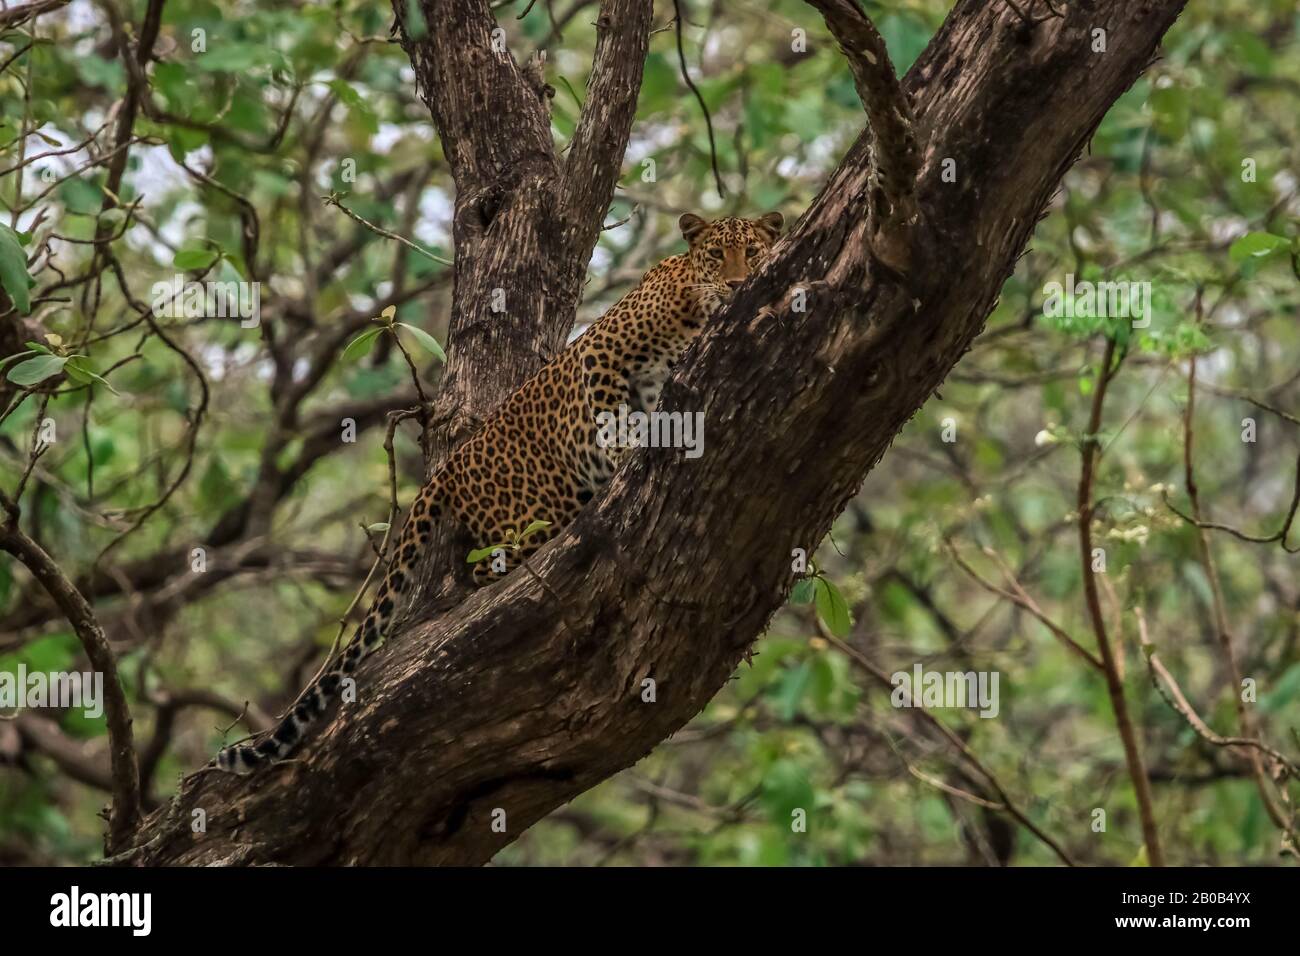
(1280, 535)
(1173, 694)
(15, 16)
(1090, 448)
(1021, 598)
(390, 535)
(125, 814)
(1221, 628)
(861, 661)
(708, 120)
(192, 433)
(333, 200)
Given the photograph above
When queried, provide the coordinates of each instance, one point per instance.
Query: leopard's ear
(771, 224)
(691, 226)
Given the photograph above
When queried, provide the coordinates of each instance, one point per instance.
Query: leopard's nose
(735, 283)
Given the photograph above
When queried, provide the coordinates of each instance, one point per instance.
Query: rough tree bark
(524, 695)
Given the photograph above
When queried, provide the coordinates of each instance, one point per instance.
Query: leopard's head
(724, 252)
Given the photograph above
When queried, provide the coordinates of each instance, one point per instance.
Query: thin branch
(1280, 535)
(708, 120)
(125, 814)
(1173, 694)
(1021, 598)
(196, 421)
(16, 16)
(390, 535)
(1221, 628)
(70, 756)
(333, 200)
(1091, 448)
(1252, 400)
(860, 660)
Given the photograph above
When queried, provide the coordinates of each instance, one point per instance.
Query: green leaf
(832, 608)
(824, 680)
(97, 71)
(786, 788)
(659, 84)
(905, 35)
(379, 527)
(427, 341)
(802, 592)
(235, 57)
(362, 344)
(356, 104)
(194, 258)
(1122, 333)
(176, 84)
(568, 86)
(478, 554)
(81, 371)
(1172, 106)
(533, 529)
(13, 270)
(1252, 52)
(183, 141)
(416, 26)
(1283, 691)
(81, 196)
(36, 369)
(346, 93)
(17, 355)
(217, 490)
(1256, 245)
(53, 653)
(790, 692)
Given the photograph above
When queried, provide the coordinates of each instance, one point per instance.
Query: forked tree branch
(525, 222)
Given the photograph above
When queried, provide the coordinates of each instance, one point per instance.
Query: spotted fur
(537, 457)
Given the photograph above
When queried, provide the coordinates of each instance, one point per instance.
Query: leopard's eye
(715, 252)
(751, 251)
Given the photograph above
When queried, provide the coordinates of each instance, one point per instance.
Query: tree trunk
(521, 696)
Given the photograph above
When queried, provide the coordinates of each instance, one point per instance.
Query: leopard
(539, 458)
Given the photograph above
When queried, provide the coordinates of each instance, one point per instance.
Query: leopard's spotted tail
(284, 739)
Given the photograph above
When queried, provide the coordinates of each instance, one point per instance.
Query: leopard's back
(525, 465)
